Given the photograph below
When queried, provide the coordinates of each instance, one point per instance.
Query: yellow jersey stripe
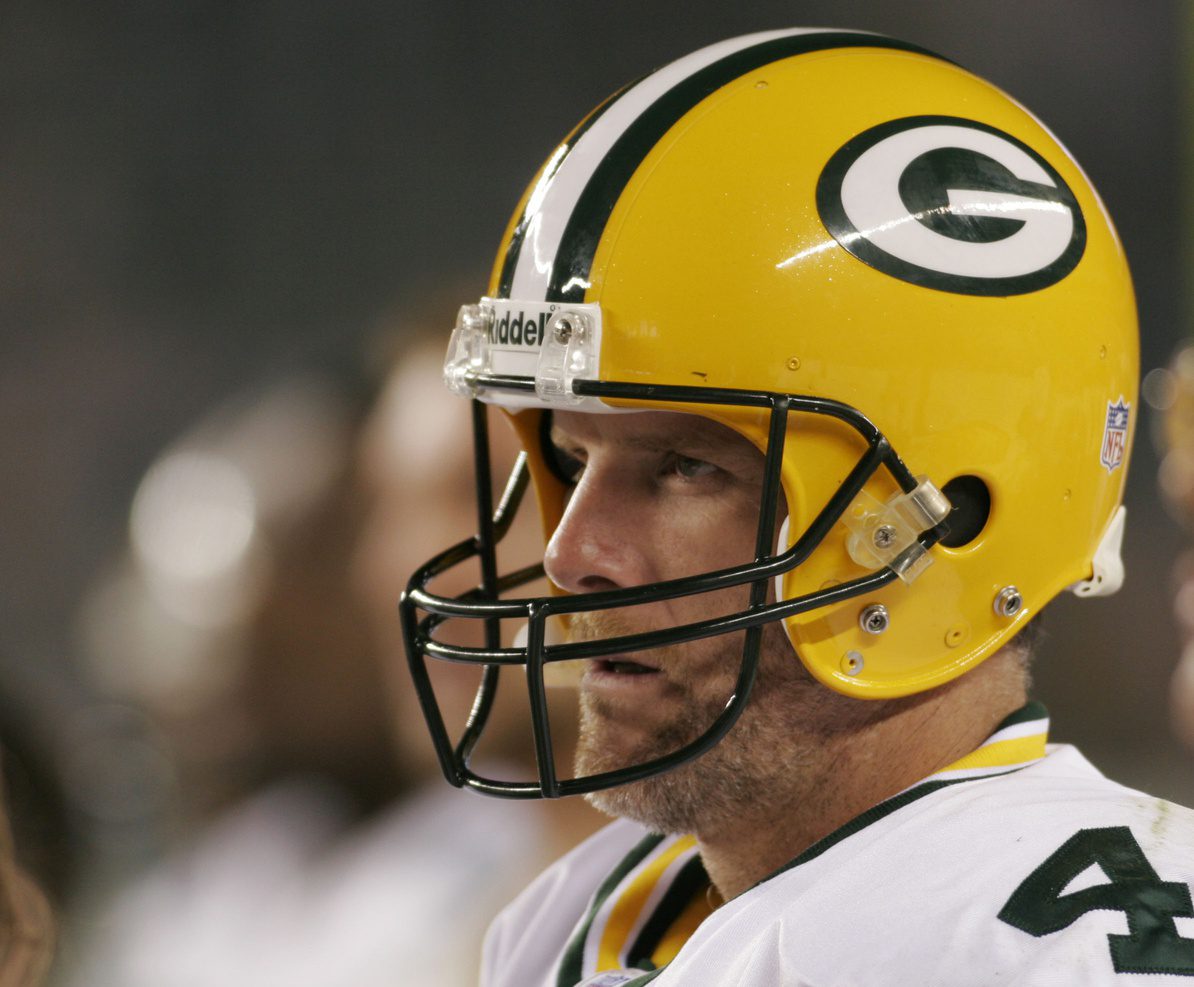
(1003, 753)
(625, 915)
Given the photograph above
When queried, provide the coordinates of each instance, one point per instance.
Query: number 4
(1152, 944)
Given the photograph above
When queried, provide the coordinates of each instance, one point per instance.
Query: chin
(656, 803)
(677, 801)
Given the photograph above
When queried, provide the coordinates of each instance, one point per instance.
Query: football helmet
(885, 273)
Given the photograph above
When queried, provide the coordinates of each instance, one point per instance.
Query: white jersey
(1019, 864)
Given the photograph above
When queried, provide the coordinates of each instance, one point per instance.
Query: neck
(912, 739)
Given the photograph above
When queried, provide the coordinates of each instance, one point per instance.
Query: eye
(692, 469)
(566, 467)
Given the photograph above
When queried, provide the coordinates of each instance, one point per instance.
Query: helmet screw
(562, 330)
(1008, 602)
(476, 318)
(884, 536)
(874, 619)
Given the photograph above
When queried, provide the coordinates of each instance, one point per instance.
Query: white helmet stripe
(550, 253)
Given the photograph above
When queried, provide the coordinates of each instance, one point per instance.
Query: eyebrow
(671, 441)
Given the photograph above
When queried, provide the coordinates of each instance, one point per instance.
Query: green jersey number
(1152, 944)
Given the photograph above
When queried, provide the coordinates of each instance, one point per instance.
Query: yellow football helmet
(888, 275)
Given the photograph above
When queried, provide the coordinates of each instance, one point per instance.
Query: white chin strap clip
(1108, 565)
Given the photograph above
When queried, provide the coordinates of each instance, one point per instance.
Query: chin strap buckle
(887, 535)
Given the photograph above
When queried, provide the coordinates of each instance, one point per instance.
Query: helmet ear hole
(971, 500)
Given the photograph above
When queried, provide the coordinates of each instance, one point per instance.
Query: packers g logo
(952, 204)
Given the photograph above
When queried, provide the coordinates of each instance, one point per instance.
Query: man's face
(659, 496)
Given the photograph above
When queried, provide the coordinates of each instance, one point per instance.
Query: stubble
(780, 752)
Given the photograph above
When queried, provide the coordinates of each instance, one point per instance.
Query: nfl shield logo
(1115, 434)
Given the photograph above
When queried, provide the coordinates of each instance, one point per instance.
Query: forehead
(647, 429)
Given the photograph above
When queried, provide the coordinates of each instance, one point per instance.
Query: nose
(602, 541)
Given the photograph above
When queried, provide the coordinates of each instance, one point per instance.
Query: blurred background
(222, 225)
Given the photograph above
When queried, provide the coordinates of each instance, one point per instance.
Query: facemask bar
(483, 602)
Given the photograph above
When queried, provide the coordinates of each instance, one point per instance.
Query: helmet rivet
(1008, 602)
(874, 619)
(852, 663)
(884, 536)
(793, 363)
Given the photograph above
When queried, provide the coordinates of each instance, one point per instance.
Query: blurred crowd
(1170, 391)
(253, 799)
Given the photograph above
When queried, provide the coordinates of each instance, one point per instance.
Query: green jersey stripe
(572, 964)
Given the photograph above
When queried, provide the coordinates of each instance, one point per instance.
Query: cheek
(705, 537)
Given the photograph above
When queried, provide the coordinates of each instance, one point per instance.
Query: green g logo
(952, 204)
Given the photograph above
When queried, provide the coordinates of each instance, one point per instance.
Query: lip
(620, 672)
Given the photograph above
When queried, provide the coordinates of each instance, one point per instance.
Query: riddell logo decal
(1115, 434)
(519, 329)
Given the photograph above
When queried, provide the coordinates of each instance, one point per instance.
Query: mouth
(621, 666)
(618, 674)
